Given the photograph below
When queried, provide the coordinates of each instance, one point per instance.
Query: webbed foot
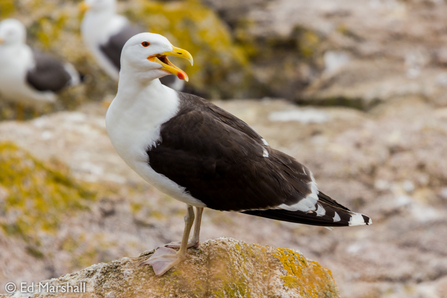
(163, 259)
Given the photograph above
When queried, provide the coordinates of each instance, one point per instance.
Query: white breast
(15, 62)
(133, 123)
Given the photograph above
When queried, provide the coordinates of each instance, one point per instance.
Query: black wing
(222, 162)
(48, 74)
(114, 45)
(219, 159)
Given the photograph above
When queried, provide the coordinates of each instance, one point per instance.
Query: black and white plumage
(204, 156)
(28, 76)
(105, 32)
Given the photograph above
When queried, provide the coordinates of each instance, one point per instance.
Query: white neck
(18, 56)
(141, 89)
(138, 111)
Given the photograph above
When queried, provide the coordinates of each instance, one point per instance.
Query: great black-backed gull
(28, 76)
(204, 156)
(105, 32)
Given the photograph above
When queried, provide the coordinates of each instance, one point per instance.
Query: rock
(218, 268)
(29, 189)
(388, 163)
(233, 11)
(343, 53)
(36, 199)
(301, 115)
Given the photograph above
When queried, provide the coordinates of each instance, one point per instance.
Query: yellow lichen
(6, 8)
(238, 278)
(39, 195)
(309, 43)
(49, 29)
(309, 276)
(224, 268)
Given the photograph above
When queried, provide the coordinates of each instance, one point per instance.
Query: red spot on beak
(181, 76)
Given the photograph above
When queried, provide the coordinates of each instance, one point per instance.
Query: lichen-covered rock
(38, 199)
(223, 267)
(35, 196)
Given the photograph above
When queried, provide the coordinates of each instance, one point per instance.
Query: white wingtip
(75, 77)
(358, 219)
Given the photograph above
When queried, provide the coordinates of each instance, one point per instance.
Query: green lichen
(7, 7)
(309, 276)
(39, 195)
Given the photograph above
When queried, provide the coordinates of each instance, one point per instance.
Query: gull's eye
(145, 44)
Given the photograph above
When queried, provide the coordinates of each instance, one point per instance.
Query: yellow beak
(83, 7)
(168, 66)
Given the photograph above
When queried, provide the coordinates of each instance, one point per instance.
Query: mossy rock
(35, 197)
(218, 268)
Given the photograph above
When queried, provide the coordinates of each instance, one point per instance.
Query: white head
(12, 31)
(98, 6)
(144, 55)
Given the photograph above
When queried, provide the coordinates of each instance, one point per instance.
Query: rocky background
(370, 81)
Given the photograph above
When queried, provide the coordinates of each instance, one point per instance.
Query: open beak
(168, 66)
(83, 7)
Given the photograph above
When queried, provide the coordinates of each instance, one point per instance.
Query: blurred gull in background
(105, 32)
(27, 76)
